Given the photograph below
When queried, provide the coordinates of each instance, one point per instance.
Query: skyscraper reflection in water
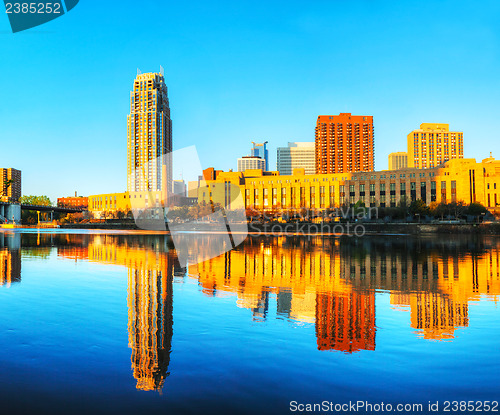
(150, 320)
(10, 259)
(149, 299)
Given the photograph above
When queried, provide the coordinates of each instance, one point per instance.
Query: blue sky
(239, 72)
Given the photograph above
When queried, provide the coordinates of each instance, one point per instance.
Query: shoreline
(307, 228)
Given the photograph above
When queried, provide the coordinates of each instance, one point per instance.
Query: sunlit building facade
(77, 202)
(10, 185)
(398, 160)
(456, 180)
(344, 143)
(295, 156)
(433, 144)
(149, 131)
(251, 163)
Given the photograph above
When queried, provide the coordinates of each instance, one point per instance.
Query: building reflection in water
(332, 282)
(328, 282)
(10, 258)
(149, 298)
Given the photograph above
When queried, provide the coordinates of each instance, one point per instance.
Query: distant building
(251, 163)
(433, 144)
(179, 187)
(296, 155)
(149, 133)
(398, 160)
(260, 150)
(76, 202)
(10, 185)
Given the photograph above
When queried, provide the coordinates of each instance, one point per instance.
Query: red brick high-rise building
(344, 143)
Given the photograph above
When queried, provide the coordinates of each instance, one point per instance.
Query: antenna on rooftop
(138, 71)
(162, 71)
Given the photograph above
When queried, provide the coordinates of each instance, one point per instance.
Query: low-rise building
(456, 180)
(76, 202)
(110, 204)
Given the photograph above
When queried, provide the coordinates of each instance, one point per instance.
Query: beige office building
(398, 160)
(433, 144)
(296, 156)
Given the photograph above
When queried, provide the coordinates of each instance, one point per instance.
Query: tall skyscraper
(398, 160)
(433, 144)
(344, 143)
(260, 150)
(149, 135)
(296, 156)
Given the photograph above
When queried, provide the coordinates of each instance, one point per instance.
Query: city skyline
(73, 132)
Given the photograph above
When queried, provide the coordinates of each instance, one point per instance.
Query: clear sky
(241, 71)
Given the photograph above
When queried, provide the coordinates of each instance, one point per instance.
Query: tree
(359, 210)
(31, 216)
(418, 207)
(476, 209)
(7, 183)
(35, 200)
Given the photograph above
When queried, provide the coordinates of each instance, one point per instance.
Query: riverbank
(351, 228)
(367, 228)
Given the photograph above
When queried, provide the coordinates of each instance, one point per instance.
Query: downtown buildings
(433, 144)
(149, 147)
(149, 135)
(295, 156)
(344, 143)
(10, 185)
(454, 181)
(258, 158)
(251, 163)
(398, 160)
(260, 150)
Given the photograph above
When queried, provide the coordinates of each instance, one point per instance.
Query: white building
(295, 156)
(251, 163)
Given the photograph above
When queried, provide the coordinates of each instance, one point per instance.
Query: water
(109, 323)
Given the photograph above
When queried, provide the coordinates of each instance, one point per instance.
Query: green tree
(418, 207)
(31, 216)
(476, 209)
(35, 200)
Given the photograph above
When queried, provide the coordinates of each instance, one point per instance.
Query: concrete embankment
(351, 228)
(366, 228)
